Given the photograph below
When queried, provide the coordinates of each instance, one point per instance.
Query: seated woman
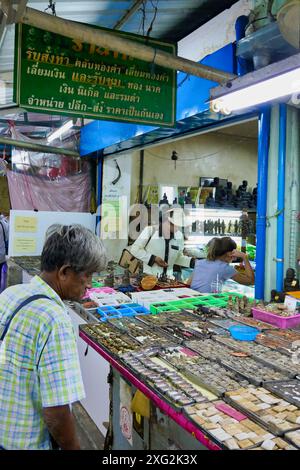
(221, 252)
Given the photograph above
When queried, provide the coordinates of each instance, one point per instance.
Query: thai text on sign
(59, 75)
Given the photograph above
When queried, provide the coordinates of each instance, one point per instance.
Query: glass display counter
(210, 223)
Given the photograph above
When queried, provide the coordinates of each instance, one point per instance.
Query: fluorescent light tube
(64, 128)
(270, 89)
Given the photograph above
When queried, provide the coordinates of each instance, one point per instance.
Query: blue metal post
(262, 187)
(240, 27)
(99, 191)
(281, 195)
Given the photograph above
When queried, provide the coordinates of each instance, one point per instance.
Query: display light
(273, 82)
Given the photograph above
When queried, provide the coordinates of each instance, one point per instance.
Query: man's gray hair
(73, 245)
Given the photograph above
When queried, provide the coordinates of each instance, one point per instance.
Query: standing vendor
(221, 252)
(161, 247)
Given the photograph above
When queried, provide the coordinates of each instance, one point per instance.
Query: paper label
(23, 245)
(25, 224)
(291, 303)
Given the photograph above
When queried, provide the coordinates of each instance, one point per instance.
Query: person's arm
(185, 261)
(60, 379)
(181, 259)
(61, 425)
(246, 278)
(138, 249)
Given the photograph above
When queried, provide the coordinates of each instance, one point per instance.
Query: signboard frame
(114, 88)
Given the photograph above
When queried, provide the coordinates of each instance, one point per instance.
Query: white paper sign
(126, 417)
(291, 303)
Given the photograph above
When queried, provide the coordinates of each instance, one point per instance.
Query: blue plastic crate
(123, 310)
(141, 310)
(105, 308)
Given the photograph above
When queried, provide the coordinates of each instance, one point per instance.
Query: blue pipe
(281, 194)
(240, 27)
(99, 191)
(264, 123)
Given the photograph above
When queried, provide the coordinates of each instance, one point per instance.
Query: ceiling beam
(38, 147)
(20, 122)
(112, 41)
(128, 14)
(21, 8)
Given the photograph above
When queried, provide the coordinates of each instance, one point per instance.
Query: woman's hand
(160, 262)
(239, 254)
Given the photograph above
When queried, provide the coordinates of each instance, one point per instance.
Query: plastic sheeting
(65, 194)
(43, 164)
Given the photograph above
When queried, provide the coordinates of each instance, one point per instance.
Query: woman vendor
(221, 252)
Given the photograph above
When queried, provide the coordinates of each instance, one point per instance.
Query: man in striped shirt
(39, 368)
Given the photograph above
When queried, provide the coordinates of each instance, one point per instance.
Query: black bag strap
(4, 237)
(23, 304)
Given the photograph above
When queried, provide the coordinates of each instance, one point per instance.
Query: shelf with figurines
(219, 195)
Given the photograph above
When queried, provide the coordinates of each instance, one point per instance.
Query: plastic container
(243, 333)
(281, 322)
(155, 308)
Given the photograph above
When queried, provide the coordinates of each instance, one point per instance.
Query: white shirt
(149, 245)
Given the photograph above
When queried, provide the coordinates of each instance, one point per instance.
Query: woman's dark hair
(219, 246)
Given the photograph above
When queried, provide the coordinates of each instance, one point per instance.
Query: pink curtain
(64, 194)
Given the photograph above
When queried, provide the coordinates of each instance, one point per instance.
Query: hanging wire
(202, 157)
(143, 19)
(155, 7)
(51, 7)
(187, 77)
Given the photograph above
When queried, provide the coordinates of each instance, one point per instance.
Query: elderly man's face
(74, 285)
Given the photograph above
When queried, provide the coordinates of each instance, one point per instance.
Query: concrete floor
(89, 435)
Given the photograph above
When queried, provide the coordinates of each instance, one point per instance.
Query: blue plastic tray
(243, 333)
(123, 310)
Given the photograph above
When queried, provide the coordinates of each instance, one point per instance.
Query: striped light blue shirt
(39, 365)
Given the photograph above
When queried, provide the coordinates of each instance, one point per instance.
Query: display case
(210, 223)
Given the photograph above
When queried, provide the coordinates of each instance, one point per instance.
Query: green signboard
(59, 75)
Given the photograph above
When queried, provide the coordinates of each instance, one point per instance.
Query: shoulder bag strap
(4, 237)
(23, 304)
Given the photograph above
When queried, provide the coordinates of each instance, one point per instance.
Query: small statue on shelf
(291, 283)
(237, 306)
(216, 227)
(236, 227)
(219, 226)
(277, 297)
(229, 227)
(164, 201)
(248, 309)
(210, 201)
(229, 193)
(230, 303)
(242, 188)
(215, 183)
(223, 227)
